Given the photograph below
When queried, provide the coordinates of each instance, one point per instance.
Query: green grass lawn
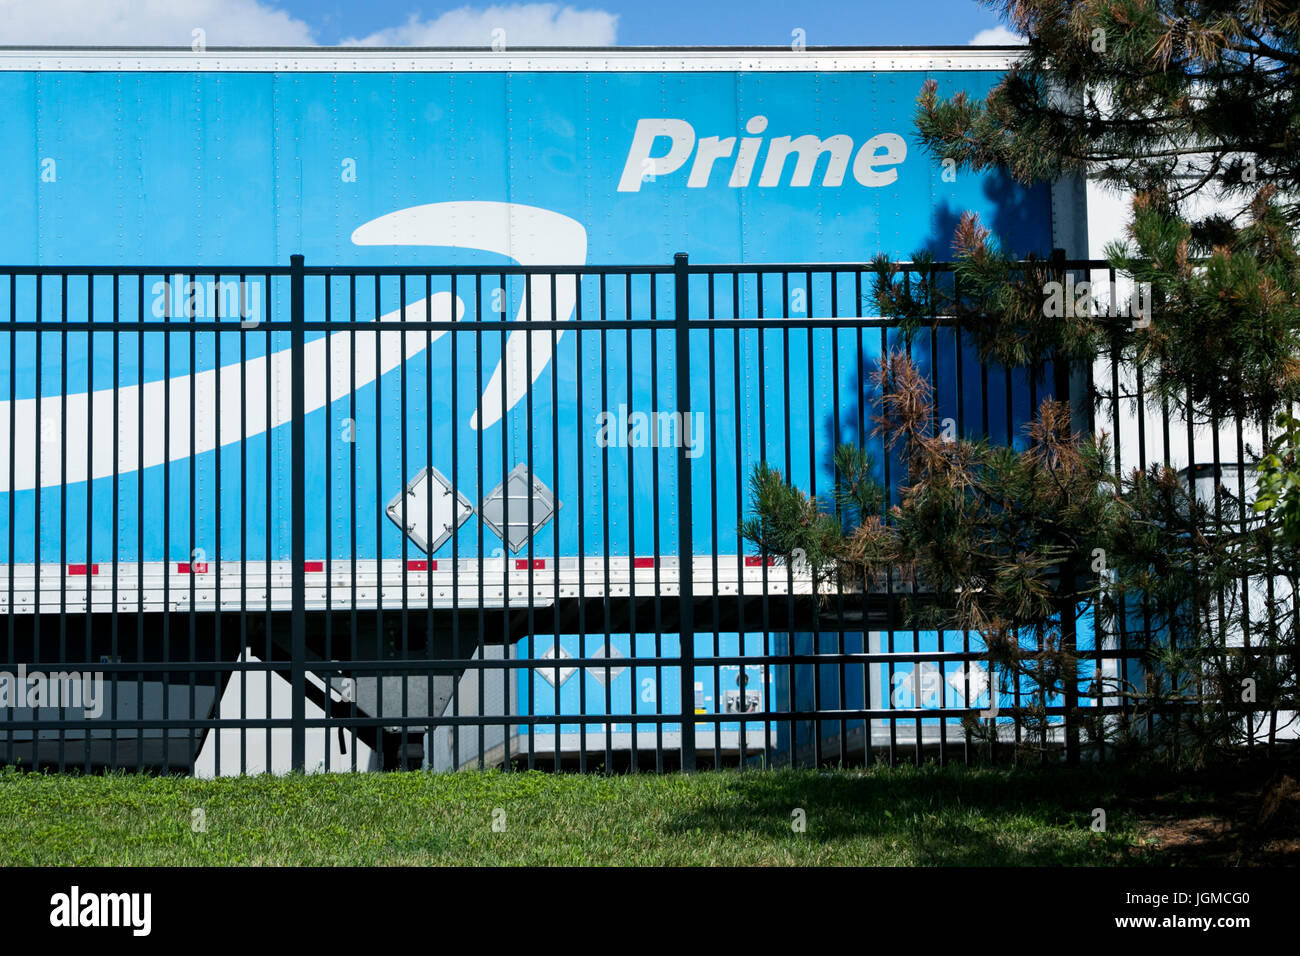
(905, 816)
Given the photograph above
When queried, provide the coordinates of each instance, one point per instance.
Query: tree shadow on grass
(936, 817)
(1237, 813)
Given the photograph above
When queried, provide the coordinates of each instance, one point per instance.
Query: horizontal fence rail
(261, 519)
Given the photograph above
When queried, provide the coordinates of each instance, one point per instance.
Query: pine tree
(1170, 101)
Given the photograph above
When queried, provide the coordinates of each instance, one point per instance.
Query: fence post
(1063, 373)
(685, 543)
(298, 533)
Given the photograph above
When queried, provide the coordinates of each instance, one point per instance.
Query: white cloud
(525, 24)
(148, 23)
(998, 36)
(258, 23)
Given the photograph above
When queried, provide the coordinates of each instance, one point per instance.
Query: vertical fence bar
(10, 501)
(243, 526)
(353, 652)
(139, 526)
(39, 475)
(63, 507)
(297, 525)
(166, 332)
(90, 490)
(685, 546)
(1062, 368)
(655, 526)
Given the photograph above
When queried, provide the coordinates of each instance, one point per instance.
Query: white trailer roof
(553, 59)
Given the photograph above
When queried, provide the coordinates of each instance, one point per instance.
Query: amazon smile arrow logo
(527, 234)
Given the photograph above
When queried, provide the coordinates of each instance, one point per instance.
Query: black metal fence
(237, 518)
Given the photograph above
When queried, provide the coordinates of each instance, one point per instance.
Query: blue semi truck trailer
(205, 165)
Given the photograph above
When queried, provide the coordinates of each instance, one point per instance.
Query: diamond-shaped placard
(516, 491)
(555, 675)
(600, 671)
(429, 530)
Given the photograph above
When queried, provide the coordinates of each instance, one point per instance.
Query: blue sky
(691, 22)
(413, 22)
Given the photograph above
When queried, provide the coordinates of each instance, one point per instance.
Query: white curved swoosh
(243, 390)
(528, 234)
